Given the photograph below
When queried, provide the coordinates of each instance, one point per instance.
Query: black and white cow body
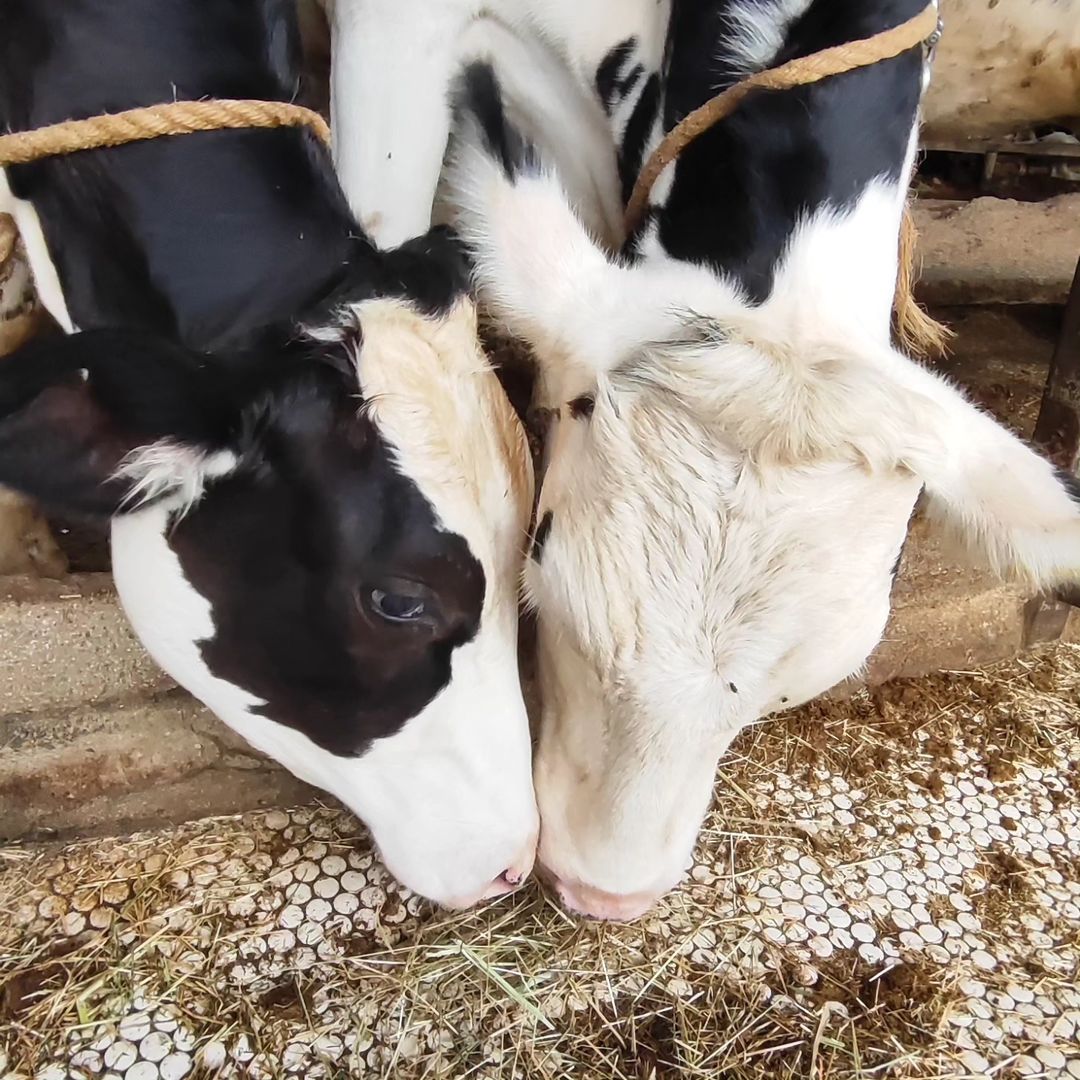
(738, 447)
(740, 190)
(408, 56)
(317, 490)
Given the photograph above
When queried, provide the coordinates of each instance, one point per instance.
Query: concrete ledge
(66, 643)
(129, 766)
(953, 634)
(997, 251)
(116, 761)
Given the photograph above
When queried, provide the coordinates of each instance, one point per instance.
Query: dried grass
(520, 989)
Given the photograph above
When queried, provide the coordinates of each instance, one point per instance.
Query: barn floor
(888, 885)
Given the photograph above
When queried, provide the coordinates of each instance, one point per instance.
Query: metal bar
(1029, 148)
(1057, 435)
(1057, 430)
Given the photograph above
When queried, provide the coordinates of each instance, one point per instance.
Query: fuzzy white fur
(724, 525)
(757, 30)
(171, 472)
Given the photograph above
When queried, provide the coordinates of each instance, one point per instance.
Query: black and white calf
(739, 449)
(318, 492)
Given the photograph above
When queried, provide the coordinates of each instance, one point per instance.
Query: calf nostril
(512, 877)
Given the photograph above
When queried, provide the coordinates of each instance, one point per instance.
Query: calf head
(322, 542)
(726, 494)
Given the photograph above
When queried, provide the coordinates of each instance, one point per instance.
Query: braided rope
(917, 331)
(798, 72)
(151, 122)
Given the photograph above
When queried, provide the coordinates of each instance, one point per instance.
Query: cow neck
(205, 237)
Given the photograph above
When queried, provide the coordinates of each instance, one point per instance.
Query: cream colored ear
(989, 488)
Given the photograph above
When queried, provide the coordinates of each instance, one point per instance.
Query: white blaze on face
(438, 404)
(683, 591)
(449, 798)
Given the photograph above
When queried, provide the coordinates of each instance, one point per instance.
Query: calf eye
(396, 607)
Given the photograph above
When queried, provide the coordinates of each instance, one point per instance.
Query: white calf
(738, 449)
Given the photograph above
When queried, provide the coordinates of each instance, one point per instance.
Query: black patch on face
(611, 86)
(540, 537)
(581, 408)
(741, 187)
(287, 552)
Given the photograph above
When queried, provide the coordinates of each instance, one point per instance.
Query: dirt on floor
(885, 886)
(1001, 353)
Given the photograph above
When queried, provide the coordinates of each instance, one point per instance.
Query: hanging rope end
(916, 331)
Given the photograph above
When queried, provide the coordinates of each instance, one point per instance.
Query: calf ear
(532, 256)
(997, 494)
(536, 264)
(106, 420)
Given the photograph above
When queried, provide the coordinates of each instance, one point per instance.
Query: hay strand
(857, 906)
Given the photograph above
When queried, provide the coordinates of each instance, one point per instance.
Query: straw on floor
(886, 886)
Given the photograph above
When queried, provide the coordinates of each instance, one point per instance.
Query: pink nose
(597, 904)
(509, 879)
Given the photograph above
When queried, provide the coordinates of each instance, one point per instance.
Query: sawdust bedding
(886, 886)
